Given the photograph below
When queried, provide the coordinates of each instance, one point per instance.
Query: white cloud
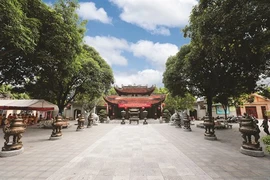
(145, 77)
(156, 16)
(88, 11)
(161, 30)
(110, 48)
(155, 53)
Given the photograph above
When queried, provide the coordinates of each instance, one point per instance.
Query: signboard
(220, 110)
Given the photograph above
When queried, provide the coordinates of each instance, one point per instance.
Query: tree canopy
(55, 64)
(20, 33)
(228, 51)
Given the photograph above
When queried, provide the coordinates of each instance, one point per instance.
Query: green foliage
(175, 77)
(179, 103)
(20, 33)
(102, 115)
(161, 90)
(266, 141)
(49, 59)
(8, 90)
(112, 91)
(229, 47)
(265, 92)
(102, 112)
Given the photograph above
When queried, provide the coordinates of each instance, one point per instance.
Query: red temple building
(135, 97)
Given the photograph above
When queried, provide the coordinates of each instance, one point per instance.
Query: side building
(257, 107)
(140, 97)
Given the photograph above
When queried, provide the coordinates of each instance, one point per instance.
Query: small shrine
(130, 97)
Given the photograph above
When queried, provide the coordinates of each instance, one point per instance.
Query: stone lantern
(249, 128)
(186, 121)
(144, 114)
(57, 128)
(81, 121)
(123, 114)
(209, 126)
(13, 128)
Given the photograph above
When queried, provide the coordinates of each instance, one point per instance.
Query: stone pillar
(249, 128)
(13, 128)
(209, 126)
(57, 128)
(81, 121)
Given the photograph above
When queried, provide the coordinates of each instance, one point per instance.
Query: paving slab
(130, 152)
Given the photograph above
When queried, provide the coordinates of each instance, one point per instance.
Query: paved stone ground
(133, 152)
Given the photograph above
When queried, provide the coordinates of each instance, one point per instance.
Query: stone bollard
(57, 125)
(186, 121)
(209, 126)
(81, 121)
(15, 128)
(249, 128)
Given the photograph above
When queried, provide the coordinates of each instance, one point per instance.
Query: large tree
(66, 67)
(20, 33)
(175, 77)
(230, 46)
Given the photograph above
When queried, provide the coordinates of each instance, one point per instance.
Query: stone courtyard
(133, 152)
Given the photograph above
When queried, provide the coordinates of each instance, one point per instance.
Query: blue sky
(136, 37)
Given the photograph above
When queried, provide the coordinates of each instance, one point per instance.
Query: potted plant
(266, 142)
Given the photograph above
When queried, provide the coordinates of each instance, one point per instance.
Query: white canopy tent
(29, 104)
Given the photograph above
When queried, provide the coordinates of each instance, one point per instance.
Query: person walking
(265, 125)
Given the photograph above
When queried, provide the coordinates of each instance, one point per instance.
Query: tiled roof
(140, 90)
(132, 101)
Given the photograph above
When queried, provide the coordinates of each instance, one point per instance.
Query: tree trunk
(209, 106)
(225, 110)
